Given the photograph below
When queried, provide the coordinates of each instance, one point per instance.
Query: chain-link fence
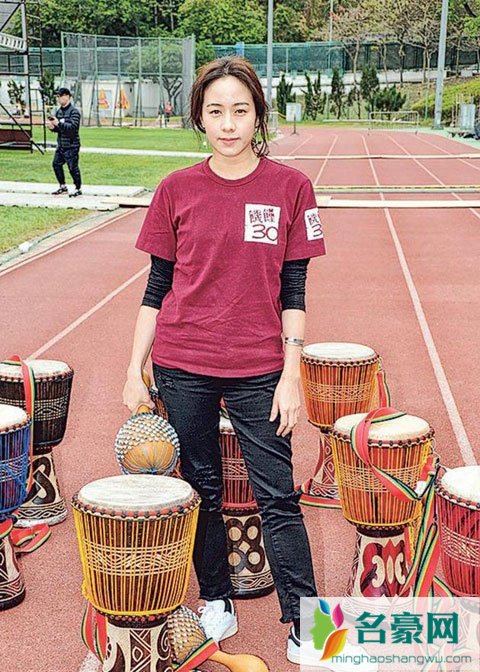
(114, 78)
(292, 58)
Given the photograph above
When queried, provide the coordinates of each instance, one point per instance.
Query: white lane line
(309, 137)
(447, 396)
(437, 179)
(286, 157)
(66, 242)
(87, 314)
(330, 201)
(90, 663)
(335, 138)
(449, 154)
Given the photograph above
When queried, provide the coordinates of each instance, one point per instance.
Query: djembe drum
(338, 379)
(249, 568)
(15, 428)
(147, 444)
(400, 446)
(53, 384)
(135, 535)
(458, 511)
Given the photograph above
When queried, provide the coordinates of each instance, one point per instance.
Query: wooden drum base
(12, 586)
(138, 647)
(322, 490)
(379, 564)
(249, 567)
(44, 504)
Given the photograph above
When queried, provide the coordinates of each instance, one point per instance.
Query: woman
(230, 239)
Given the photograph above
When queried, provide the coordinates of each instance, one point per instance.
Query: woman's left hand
(286, 404)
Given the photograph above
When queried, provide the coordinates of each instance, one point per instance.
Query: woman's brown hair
(233, 66)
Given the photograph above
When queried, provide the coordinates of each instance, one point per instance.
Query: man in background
(66, 123)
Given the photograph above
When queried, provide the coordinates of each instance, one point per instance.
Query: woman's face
(228, 116)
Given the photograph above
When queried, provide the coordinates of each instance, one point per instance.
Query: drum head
(11, 415)
(41, 368)
(399, 429)
(138, 492)
(463, 482)
(338, 352)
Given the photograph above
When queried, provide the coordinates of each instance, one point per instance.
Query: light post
(269, 52)
(437, 123)
(330, 36)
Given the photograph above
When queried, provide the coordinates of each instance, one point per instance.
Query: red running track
(404, 282)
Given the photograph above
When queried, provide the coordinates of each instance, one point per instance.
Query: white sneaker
(304, 653)
(219, 619)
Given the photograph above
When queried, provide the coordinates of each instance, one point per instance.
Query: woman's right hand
(135, 392)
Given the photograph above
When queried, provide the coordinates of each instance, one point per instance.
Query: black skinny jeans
(193, 403)
(70, 157)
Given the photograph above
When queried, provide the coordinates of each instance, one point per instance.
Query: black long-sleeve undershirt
(292, 293)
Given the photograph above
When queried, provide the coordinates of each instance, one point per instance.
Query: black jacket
(68, 127)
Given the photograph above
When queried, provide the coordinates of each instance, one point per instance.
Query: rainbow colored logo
(328, 636)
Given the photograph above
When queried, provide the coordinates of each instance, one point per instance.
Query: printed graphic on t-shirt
(261, 223)
(313, 224)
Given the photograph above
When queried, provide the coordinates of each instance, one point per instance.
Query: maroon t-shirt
(228, 239)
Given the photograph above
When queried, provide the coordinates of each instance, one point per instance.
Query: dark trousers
(69, 157)
(193, 403)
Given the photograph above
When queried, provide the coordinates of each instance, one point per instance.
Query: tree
(284, 95)
(389, 99)
(15, 95)
(315, 100)
(354, 97)
(316, 13)
(397, 18)
(204, 52)
(165, 14)
(369, 86)
(123, 17)
(352, 25)
(47, 89)
(223, 21)
(381, 30)
(171, 70)
(289, 25)
(337, 95)
(457, 30)
(425, 30)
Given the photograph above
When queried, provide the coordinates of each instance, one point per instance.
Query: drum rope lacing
(337, 393)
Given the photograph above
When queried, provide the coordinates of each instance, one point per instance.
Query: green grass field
(19, 224)
(171, 139)
(146, 171)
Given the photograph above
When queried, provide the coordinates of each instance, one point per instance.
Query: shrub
(469, 89)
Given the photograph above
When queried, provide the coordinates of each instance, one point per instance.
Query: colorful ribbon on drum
(305, 488)
(421, 577)
(27, 540)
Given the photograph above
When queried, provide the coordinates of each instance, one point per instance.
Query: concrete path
(45, 201)
(139, 152)
(39, 195)
(88, 190)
